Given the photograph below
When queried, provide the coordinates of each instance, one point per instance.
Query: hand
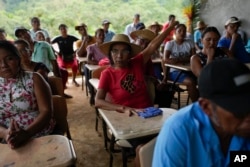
(235, 36)
(16, 136)
(127, 110)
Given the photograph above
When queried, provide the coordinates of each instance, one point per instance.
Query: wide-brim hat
(200, 25)
(18, 29)
(144, 34)
(81, 25)
(120, 38)
(155, 24)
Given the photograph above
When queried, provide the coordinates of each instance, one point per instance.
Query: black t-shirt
(65, 44)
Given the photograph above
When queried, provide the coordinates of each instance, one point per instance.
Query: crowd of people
(220, 110)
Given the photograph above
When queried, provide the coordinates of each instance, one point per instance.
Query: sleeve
(170, 148)
(196, 36)
(104, 78)
(50, 51)
(169, 46)
(223, 43)
(46, 34)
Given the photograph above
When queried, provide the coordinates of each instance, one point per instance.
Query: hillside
(53, 12)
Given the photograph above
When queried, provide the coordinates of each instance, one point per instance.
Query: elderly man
(204, 133)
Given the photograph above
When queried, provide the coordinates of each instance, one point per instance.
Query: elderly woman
(124, 80)
(26, 105)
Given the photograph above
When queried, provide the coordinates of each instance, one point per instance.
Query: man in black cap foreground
(204, 133)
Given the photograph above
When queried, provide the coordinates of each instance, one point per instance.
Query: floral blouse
(18, 102)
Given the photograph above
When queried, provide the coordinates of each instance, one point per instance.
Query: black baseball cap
(227, 83)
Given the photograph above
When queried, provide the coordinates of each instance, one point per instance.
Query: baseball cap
(140, 26)
(227, 83)
(106, 22)
(232, 20)
(18, 29)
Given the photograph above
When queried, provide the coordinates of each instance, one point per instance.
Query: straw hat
(155, 24)
(200, 25)
(81, 25)
(145, 34)
(119, 38)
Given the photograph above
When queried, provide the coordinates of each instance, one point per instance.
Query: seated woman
(124, 80)
(209, 38)
(26, 110)
(179, 51)
(25, 54)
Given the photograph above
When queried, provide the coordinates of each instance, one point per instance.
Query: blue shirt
(188, 139)
(239, 50)
(108, 36)
(197, 38)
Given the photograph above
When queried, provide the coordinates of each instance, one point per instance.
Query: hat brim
(78, 27)
(20, 29)
(236, 104)
(106, 46)
(159, 25)
(231, 22)
(145, 34)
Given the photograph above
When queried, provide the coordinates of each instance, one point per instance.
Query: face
(210, 40)
(136, 19)
(181, 32)
(23, 34)
(82, 31)
(35, 24)
(2, 36)
(24, 51)
(224, 121)
(105, 26)
(9, 64)
(100, 37)
(142, 42)
(232, 28)
(63, 31)
(120, 55)
(40, 37)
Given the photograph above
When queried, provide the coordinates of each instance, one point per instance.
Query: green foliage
(54, 12)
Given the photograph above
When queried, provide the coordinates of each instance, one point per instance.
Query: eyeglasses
(122, 52)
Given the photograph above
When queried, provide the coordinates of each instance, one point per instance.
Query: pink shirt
(127, 86)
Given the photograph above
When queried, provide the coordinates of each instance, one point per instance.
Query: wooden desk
(157, 60)
(125, 127)
(94, 82)
(81, 59)
(181, 67)
(52, 150)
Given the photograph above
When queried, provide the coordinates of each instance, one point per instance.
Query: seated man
(204, 133)
(66, 56)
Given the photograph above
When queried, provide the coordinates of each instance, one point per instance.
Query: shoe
(76, 84)
(67, 96)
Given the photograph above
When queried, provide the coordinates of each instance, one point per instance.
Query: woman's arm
(101, 102)
(156, 42)
(44, 100)
(195, 64)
